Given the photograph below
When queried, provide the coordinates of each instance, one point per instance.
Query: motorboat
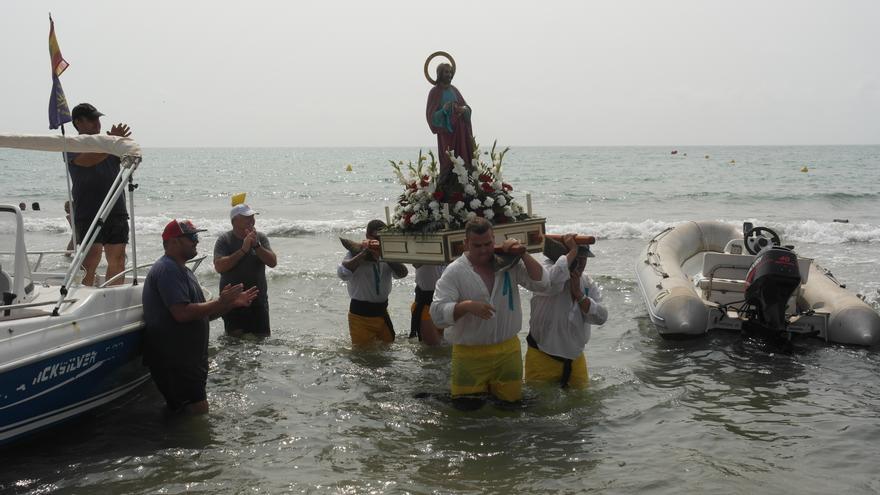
(706, 275)
(66, 348)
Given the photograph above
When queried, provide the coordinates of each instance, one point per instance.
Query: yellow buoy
(348, 168)
(804, 169)
(238, 199)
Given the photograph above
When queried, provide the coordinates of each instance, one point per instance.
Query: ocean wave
(155, 225)
(808, 231)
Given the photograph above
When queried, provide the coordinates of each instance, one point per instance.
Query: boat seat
(722, 284)
(736, 266)
(5, 283)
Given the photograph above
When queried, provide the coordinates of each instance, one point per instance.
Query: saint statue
(449, 117)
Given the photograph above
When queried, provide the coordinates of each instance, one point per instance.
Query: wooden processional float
(474, 186)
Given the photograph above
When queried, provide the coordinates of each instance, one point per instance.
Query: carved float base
(446, 245)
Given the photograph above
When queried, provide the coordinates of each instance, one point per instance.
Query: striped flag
(59, 112)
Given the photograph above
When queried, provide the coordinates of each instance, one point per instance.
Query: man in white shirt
(369, 284)
(482, 309)
(559, 325)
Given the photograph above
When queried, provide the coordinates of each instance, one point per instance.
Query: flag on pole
(59, 112)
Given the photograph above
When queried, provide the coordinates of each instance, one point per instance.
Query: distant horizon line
(679, 148)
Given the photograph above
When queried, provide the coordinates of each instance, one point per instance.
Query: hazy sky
(332, 73)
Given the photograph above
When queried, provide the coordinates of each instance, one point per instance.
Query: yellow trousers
(542, 368)
(368, 330)
(495, 369)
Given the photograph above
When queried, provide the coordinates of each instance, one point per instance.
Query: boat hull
(63, 385)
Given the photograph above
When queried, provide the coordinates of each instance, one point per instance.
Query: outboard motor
(771, 280)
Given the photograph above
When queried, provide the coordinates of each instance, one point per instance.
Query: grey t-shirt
(250, 270)
(168, 342)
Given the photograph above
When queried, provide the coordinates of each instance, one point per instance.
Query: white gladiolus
(489, 202)
(475, 203)
(488, 213)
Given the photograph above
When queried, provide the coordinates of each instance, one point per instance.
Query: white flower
(434, 205)
(458, 160)
(437, 215)
(470, 215)
(488, 213)
(500, 201)
(488, 202)
(470, 190)
(475, 162)
(475, 203)
(458, 205)
(417, 207)
(408, 208)
(497, 185)
(508, 212)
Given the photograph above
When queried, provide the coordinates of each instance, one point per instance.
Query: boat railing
(195, 265)
(35, 268)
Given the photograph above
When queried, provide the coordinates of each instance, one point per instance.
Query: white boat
(700, 276)
(66, 348)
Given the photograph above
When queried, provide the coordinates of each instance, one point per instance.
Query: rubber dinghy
(699, 276)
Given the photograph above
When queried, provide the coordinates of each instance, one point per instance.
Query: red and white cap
(178, 229)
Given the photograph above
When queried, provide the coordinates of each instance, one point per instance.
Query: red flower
(408, 218)
(424, 181)
(412, 185)
(507, 187)
(486, 187)
(485, 178)
(457, 196)
(438, 195)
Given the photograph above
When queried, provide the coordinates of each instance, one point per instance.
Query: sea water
(302, 412)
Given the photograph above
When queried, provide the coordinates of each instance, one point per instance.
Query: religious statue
(449, 117)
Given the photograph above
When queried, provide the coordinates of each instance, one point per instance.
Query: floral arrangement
(477, 190)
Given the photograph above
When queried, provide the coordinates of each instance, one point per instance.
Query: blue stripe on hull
(62, 386)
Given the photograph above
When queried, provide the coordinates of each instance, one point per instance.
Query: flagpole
(69, 190)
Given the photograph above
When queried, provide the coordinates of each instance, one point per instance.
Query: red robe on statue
(453, 131)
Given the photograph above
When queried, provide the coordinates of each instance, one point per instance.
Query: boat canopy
(84, 143)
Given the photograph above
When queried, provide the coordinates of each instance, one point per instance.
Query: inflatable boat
(700, 276)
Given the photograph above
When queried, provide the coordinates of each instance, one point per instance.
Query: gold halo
(431, 57)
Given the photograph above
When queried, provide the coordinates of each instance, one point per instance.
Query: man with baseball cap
(177, 320)
(93, 174)
(241, 256)
(559, 325)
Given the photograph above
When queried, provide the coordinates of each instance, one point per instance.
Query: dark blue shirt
(167, 341)
(91, 185)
